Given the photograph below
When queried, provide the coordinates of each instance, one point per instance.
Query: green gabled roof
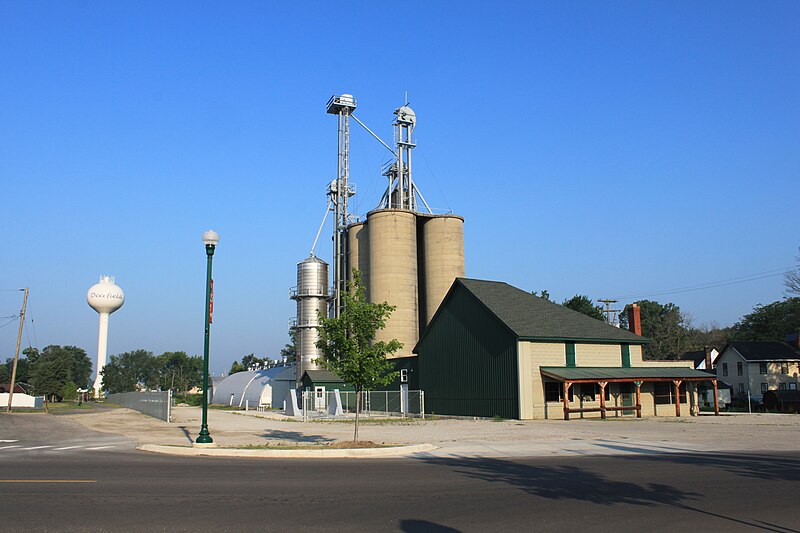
(322, 375)
(615, 372)
(532, 318)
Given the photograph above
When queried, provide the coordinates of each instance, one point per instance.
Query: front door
(319, 398)
(626, 394)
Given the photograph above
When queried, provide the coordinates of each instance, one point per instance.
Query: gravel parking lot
(460, 437)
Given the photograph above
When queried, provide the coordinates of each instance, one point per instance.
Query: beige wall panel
(358, 252)
(598, 355)
(636, 355)
(533, 356)
(442, 260)
(392, 245)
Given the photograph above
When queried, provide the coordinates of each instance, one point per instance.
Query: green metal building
(495, 350)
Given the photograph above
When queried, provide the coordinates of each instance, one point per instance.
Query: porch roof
(611, 373)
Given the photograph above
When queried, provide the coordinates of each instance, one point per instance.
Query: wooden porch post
(603, 399)
(716, 397)
(638, 398)
(677, 383)
(567, 385)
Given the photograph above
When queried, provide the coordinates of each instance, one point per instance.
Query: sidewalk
(233, 430)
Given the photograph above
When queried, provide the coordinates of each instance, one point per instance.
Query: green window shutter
(626, 355)
(570, 353)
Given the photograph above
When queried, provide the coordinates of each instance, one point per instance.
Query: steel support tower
(339, 192)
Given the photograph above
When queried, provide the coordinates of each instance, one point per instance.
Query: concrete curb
(393, 451)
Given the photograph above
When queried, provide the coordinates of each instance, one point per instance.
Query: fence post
(169, 406)
(422, 404)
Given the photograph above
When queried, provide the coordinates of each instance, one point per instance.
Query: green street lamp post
(210, 238)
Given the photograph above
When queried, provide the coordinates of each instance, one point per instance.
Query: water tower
(105, 298)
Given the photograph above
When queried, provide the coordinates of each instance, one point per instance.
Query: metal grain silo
(358, 252)
(312, 298)
(392, 241)
(441, 260)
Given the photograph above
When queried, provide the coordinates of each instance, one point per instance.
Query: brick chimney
(635, 319)
(708, 358)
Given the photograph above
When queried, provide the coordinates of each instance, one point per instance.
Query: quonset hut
(255, 388)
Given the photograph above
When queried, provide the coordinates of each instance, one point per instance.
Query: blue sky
(612, 149)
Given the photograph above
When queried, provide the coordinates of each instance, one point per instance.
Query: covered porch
(636, 376)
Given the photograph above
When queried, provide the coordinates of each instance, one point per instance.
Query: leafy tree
(131, 371)
(179, 371)
(544, 294)
(347, 343)
(251, 361)
(22, 369)
(770, 322)
(710, 335)
(70, 391)
(583, 304)
(51, 370)
(290, 350)
(791, 279)
(237, 367)
(666, 326)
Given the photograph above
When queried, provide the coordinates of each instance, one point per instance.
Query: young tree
(347, 343)
(583, 304)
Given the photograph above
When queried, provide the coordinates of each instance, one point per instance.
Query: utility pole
(608, 311)
(16, 353)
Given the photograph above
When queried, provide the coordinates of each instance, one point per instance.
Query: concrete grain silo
(441, 260)
(358, 252)
(393, 273)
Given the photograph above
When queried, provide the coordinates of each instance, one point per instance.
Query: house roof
(765, 351)
(624, 373)
(322, 375)
(699, 356)
(532, 318)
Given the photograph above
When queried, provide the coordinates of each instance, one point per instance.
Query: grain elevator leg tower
(408, 258)
(339, 192)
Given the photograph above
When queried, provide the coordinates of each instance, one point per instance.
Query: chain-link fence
(156, 404)
(374, 404)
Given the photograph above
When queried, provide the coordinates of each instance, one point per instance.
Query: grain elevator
(408, 255)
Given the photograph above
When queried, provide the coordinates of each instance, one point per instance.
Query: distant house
(758, 367)
(495, 350)
(18, 389)
(702, 359)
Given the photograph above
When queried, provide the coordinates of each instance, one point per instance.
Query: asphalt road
(120, 489)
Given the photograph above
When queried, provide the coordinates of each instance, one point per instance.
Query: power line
(711, 285)
(10, 321)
